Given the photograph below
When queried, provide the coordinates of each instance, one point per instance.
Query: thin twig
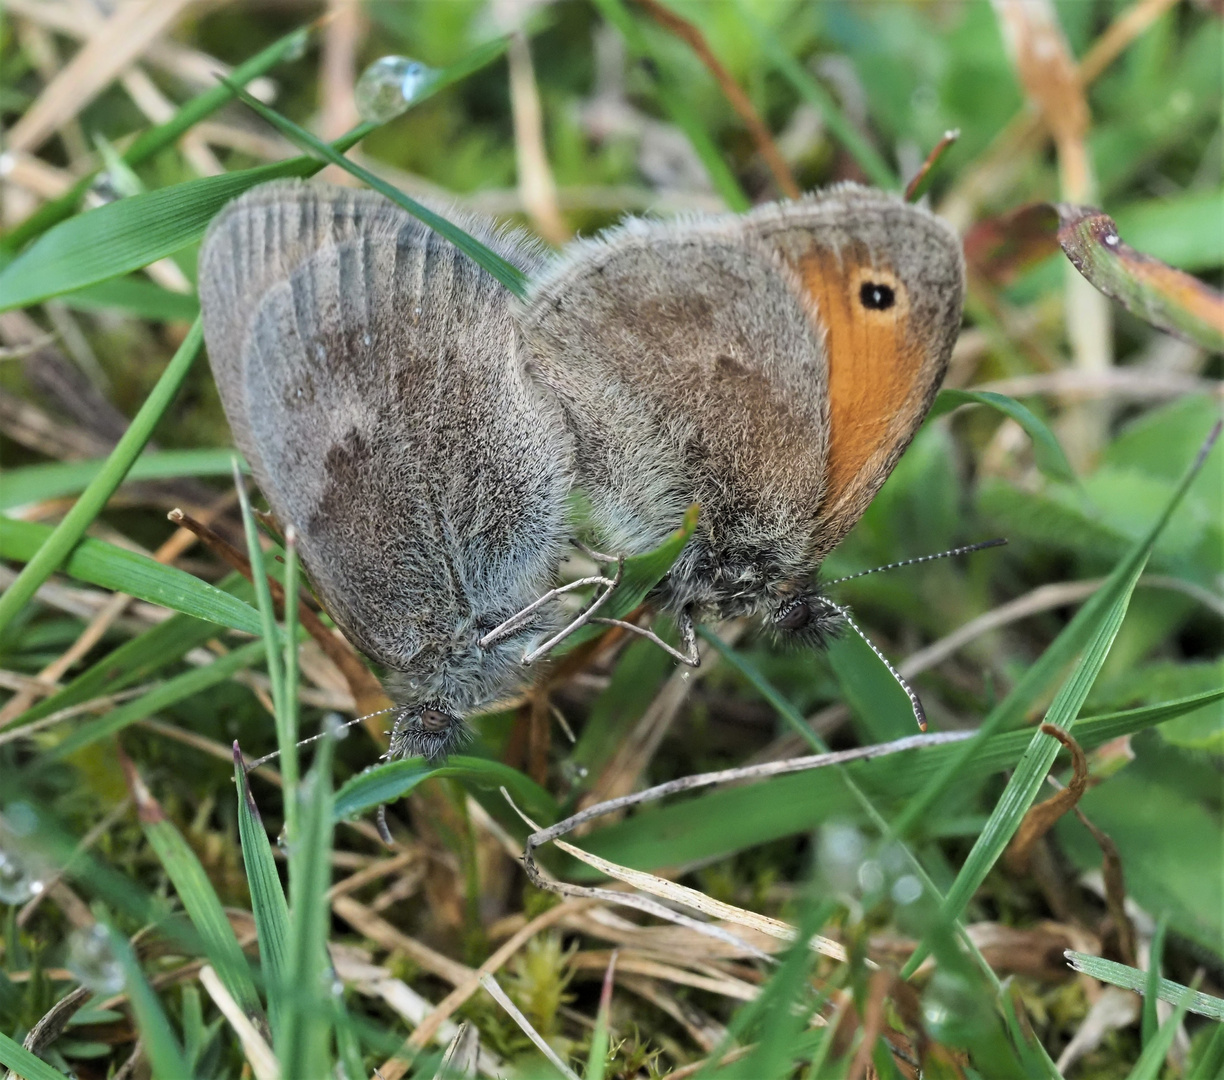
(739, 101)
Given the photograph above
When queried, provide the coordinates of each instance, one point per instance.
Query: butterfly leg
(519, 619)
(688, 635)
(583, 618)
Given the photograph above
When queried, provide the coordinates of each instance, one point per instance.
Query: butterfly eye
(795, 617)
(876, 297)
(435, 720)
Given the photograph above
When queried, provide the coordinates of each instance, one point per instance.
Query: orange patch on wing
(873, 364)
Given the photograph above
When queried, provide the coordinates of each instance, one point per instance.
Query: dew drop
(391, 86)
(1112, 240)
(295, 47)
(92, 960)
(19, 881)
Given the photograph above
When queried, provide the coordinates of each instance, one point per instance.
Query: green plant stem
(68, 533)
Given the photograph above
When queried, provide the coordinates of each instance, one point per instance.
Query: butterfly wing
(772, 367)
(371, 376)
(687, 372)
(884, 281)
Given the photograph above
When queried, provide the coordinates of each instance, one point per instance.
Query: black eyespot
(876, 297)
(795, 617)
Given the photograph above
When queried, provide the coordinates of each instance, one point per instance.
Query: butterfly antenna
(998, 542)
(919, 711)
(329, 732)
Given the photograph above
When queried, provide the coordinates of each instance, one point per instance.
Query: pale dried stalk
(429, 1026)
(536, 183)
(515, 1013)
(123, 37)
(258, 1053)
(628, 962)
(698, 901)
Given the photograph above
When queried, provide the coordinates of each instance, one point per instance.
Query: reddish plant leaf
(1157, 293)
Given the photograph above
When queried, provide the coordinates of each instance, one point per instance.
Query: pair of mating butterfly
(421, 429)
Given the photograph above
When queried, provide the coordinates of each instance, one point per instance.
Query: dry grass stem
(258, 1053)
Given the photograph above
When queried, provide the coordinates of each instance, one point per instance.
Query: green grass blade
(1151, 1061)
(867, 157)
(136, 660)
(676, 105)
(16, 1057)
(287, 715)
(1210, 1064)
(1131, 978)
(507, 273)
(728, 820)
(96, 562)
(123, 236)
(70, 531)
(157, 1036)
(169, 693)
(1047, 452)
(158, 138)
(303, 1048)
(1074, 636)
(392, 780)
(137, 297)
(34, 483)
(1030, 774)
(1166, 298)
(263, 592)
(199, 898)
(1150, 1022)
(268, 904)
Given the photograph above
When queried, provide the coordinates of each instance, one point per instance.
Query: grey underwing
(374, 380)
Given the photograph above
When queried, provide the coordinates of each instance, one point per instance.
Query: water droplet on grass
(391, 86)
(92, 960)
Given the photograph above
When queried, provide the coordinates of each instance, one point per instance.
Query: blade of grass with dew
(1073, 638)
(303, 1049)
(677, 107)
(96, 562)
(725, 821)
(507, 273)
(157, 1037)
(35, 483)
(69, 532)
(395, 779)
(1151, 1062)
(1132, 978)
(18, 1059)
(138, 659)
(1047, 452)
(268, 904)
(842, 129)
(1031, 771)
(200, 901)
(1149, 1021)
(158, 138)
